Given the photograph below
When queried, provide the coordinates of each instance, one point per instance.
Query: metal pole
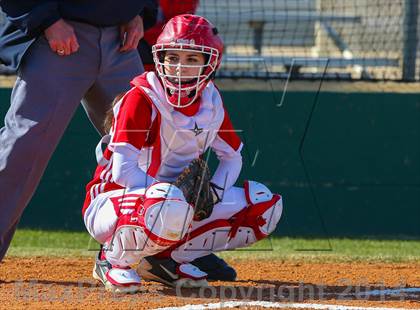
(410, 39)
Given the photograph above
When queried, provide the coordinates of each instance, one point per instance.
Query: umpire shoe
(169, 272)
(116, 279)
(215, 267)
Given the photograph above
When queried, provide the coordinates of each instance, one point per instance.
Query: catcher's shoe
(215, 267)
(115, 279)
(169, 272)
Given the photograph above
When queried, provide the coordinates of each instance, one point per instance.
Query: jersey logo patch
(196, 130)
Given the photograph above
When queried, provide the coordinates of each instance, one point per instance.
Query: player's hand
(131, 33)
(61, 38)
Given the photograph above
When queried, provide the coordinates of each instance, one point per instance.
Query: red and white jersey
(167, 138)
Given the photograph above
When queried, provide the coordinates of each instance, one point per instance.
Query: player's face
(185, 65)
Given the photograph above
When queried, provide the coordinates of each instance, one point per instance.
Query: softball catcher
(152, 200)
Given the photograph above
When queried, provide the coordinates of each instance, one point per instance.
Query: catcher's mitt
(194, 182)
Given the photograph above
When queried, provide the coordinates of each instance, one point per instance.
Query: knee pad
(263, 206)
(258, 219)
(161, 220)
(254, 222)
(165, 212)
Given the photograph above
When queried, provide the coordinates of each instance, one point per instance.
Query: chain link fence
(313, 39)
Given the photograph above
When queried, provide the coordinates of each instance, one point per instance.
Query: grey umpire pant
(47, 92)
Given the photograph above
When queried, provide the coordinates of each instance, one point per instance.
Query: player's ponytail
(109, 116)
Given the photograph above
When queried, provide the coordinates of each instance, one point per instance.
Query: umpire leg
(6, 238)
(40, 110)
(46, 94)
(115, 72)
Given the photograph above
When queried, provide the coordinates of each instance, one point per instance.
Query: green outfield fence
(362, 154)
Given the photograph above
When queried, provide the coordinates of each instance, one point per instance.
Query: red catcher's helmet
(187, 33)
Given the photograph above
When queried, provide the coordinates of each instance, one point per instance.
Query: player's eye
(172, 59)
(193, 60)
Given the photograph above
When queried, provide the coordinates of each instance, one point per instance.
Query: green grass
(52, 243)
(79, 244)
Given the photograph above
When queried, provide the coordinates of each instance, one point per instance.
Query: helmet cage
(179, 93)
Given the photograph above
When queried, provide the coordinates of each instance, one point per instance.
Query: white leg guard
(160, 220)
(253, 222)
(103, 212)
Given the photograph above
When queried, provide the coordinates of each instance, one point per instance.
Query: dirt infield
(58, 283)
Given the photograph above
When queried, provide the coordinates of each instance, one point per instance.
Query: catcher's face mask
(186, 55)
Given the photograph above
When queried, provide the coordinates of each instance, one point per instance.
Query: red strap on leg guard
(251, 217)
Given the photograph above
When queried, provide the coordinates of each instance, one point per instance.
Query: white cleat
(116, 279)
